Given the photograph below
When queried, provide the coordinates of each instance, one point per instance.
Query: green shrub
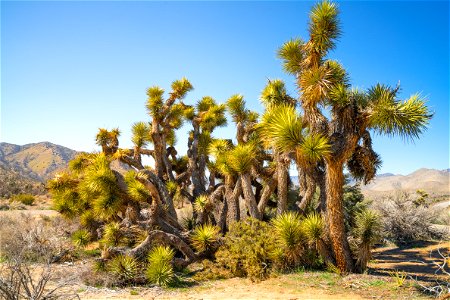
(160, 270)
(26, 199)
(290, 239)
(124, 267)
(205, 237)
(81, 238)
(367, 233)
(248, 249)
(161, 274)
(113, 235)
(161, 254)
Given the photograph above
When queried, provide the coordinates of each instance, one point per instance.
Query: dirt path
(235, 288)
(418, 260)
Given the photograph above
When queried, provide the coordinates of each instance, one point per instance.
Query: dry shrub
(97, 278)
(403, 221)
(34, 239)
(21, 280)
(248, 249)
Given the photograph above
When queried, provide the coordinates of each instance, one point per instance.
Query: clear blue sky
(68, 68)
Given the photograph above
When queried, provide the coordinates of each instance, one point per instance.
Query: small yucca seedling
(399, 277)
(205, 237)
(123, 266)
(100, 265)
(201, 203)
(81, 238)
(160, 273)
(367, 231)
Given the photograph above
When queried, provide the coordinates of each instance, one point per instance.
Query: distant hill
(429, 180)
(11, 183)
(37, 162)
(435, 182)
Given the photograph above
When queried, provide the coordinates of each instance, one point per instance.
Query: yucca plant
(160, 254)
(367, 232)
(289, 236)
(81, 238)
(201, 203)
(205, 237)
(313, 227)
(324, 83)
(161, 274)
(124, 267)
(160, 270)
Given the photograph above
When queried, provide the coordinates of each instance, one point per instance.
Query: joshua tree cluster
(325, 128)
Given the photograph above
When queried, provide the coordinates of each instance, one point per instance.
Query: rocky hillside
(39, 161)
(434, 182)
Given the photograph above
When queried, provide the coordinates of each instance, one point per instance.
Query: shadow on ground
(420, 260)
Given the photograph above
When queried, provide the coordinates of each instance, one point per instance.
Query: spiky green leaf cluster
(313, 148)
(113, 235)
(201, 203)
(135, 189)
(288, 230)
(107, 138)
(154, 100)
(124, 267)
(282, 128)
(180, 88)
(236, 107)
(161, 254)
(387, 115)
(160, 270)
(274, 93)
(217, 147)
(292, 55)
(205, 237)
(141, 134)
(241, 158)
(367, 226)
(81, 238)
(313, 227)
(324, 26)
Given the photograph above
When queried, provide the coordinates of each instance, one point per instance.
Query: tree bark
(338, 236)
(309, 192)
(232, 192)
(249, 196)
(268, 189)
(282, 174)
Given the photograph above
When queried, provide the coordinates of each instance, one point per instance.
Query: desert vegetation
(229, 207)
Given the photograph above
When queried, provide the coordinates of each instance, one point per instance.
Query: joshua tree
(123, 209)
(324, 83)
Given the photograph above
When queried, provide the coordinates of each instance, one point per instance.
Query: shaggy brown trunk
(268, 189)
(323, 192)
(199, 187)
(338, 236)
(282, 174)
(308, 193)
(232, 192)
(249, 196)
(159, 149)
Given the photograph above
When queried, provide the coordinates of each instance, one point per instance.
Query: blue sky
(68, 68)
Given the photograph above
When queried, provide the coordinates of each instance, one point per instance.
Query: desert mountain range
(36, 163)
(39, 161)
